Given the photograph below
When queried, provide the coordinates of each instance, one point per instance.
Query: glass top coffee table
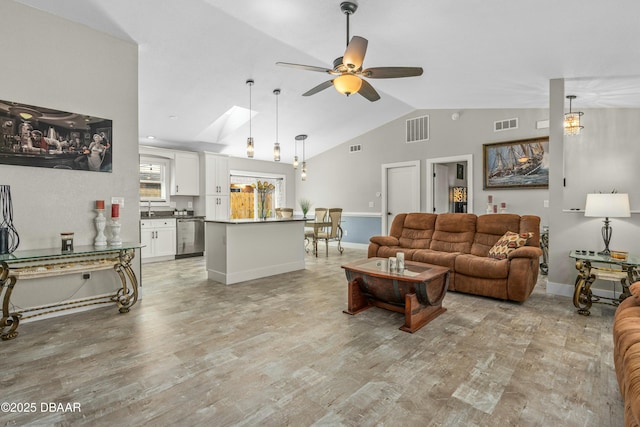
(417, 291)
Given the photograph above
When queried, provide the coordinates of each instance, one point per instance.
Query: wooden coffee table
(417, 291)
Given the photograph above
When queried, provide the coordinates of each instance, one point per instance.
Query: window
(153, 179)
(243, 200)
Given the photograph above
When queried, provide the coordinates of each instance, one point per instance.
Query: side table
(626, 271)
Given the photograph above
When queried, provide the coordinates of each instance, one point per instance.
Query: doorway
(400, 191)
(444, 173)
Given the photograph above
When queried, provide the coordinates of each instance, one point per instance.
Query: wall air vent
(501, 125)
(355, 148)
(417, 129)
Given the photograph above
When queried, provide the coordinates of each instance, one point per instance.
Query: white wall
(351, 181)
(50, 62)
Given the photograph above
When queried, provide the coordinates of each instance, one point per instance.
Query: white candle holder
(490, 208)
(101, 221)
(115, 233)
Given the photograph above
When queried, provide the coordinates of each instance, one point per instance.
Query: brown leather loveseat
(626, 354)
(462, 242)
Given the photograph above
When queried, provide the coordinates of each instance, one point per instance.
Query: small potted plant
(305, 204)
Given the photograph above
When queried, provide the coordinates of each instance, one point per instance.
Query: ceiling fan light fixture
(347, 84)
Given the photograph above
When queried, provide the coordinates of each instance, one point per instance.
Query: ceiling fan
(348, 68)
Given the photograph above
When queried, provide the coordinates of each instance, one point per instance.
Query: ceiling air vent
(501, 125)
(417, 129)
(355, 148)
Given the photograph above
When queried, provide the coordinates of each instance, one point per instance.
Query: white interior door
(440, 188)
(401, 188)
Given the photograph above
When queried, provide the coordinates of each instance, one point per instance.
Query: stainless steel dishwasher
(189, 237)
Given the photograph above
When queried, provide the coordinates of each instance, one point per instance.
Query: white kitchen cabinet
(217, 207)
(159, 238)
(213, 202)
(185, 176)
(216, 174)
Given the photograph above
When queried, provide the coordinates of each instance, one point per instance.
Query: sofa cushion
(490, 228)
(508, 243)
(482, 267)
(443, 259)
(635, 291)
(418, 230)
(454, 232)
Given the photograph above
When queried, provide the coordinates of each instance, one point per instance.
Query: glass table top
(593, 256)
(34, 254)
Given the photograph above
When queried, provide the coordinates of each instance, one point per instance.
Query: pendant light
(276, 146)
(250, 146)
(572, 119)
(295, 157)
(303, 172)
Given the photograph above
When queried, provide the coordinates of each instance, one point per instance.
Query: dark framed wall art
(43, 137)
(516, 164)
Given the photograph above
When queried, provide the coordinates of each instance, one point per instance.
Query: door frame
(468, 178)
(416, 196)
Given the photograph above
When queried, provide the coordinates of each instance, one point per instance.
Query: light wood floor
(279, 351)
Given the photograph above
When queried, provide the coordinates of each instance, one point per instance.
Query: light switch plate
(118, 200)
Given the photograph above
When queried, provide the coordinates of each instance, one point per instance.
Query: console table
(37, 263)
(626, 271)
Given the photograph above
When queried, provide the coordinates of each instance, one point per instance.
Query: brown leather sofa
(461, 242)
(626, 354)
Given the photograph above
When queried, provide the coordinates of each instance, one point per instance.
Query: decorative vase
(101, 222)
(9, 238)
(115, 233)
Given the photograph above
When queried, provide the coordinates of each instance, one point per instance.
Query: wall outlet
(545, 203)
(345, 232)
(189, 205)
(86, 276)
(118, 200)
(370, 204)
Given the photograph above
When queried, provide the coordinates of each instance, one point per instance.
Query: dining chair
(332, 233)
(311, 231)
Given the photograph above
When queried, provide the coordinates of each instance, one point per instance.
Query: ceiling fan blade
(304, 67)
(391, 72)
(368, 91)
(320, 87)
(354, 55)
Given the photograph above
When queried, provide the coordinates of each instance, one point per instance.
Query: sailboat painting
(517, 164)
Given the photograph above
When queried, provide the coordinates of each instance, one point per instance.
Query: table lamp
(609, 205)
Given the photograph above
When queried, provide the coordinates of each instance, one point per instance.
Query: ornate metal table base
(583, 297)
(34, 265)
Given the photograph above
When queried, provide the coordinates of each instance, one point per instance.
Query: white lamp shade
(607, 205)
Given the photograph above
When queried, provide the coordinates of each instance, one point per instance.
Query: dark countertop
(168, 214)
(256, 221)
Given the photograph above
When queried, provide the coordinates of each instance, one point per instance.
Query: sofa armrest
(526, 252)
(385, 240)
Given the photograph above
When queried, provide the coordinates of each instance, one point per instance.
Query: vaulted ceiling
(195, 56)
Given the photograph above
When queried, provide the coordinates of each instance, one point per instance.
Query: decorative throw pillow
(508, 243)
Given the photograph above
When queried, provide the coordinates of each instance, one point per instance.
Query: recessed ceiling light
(151, 137)
(173, 117)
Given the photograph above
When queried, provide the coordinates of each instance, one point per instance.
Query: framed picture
(459, 171)
(47, 138)
(516, 164)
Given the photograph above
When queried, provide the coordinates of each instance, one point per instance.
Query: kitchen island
(241, 249)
